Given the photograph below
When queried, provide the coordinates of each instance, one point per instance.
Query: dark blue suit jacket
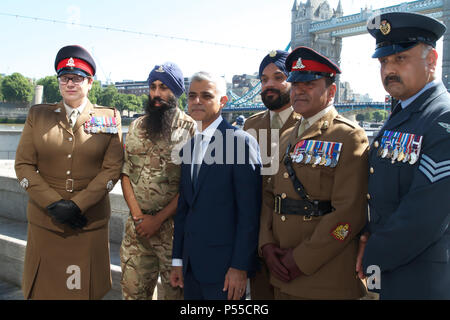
(217, 222)
(410, 207)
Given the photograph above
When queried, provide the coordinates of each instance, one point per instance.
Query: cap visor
(73, 71)
(298, 76)
(393, 49)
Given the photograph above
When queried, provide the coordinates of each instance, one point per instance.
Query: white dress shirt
(80, 108)
(410, 100)
(311, 120)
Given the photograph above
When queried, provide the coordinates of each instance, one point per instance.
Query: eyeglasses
(75, 79)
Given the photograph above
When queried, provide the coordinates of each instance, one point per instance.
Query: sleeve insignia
(341, 231)
(24, 183)
(434, 171)
(109, 185)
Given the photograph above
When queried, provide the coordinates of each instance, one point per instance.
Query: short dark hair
(329, 81)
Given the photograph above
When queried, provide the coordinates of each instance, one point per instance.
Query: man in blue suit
(405, 252)
(217, 219)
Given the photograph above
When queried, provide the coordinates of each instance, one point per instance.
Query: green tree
(128, 102)
(1, 95)
(144, 99)
(16, 88)
(51, 89)
(384, 114)
(377, 116)
(95, 92)
(182, 101)
(134, 103)
(108, 96)
(360, 117)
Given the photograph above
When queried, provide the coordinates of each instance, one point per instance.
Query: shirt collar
(311, 120)
(80, 108)
(410, 100)
(284, 115)
(209, 132)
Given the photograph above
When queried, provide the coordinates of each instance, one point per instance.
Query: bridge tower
(303, 14)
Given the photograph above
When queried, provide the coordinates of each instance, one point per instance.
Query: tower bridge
(315, 24)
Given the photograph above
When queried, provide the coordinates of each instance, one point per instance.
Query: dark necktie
(197, 160)
(396, 110)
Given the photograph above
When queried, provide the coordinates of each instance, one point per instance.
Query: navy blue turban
(169, 74)
(277, 57)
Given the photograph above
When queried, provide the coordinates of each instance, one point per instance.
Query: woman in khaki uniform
(68, 159)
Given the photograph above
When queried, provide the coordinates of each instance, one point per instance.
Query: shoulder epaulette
(103, 107)
(346, 121)
(256, 114)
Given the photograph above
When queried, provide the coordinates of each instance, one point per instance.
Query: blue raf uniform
(409, 177)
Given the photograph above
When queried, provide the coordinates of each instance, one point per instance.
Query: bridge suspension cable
(250, 94)
(154, 35)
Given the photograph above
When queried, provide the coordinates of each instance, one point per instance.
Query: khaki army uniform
(325, 247)
(55, 161)
(155, 180)
(260, 289)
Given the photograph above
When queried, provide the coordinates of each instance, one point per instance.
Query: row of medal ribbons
(400, 147)
(101, 125)
(322, 153)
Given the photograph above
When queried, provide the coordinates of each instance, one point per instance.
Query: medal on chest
(101, 124)
(400, 147)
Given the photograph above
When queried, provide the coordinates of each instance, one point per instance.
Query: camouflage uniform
(155, 181)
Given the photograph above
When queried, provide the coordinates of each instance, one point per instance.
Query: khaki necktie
(73, 117)
(302, 127)
(276, 122)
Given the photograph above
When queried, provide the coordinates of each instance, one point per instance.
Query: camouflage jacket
(153, 174)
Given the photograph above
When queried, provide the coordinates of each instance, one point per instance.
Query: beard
(275, 103)
(158, 120)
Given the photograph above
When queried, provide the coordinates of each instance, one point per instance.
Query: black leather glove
(67, 212)
(271, 253)
(288, 261)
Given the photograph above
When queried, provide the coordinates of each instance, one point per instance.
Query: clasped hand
(67, 212)
(281, 262)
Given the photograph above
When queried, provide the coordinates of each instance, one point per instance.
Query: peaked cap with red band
(74, 60)
(305, 64)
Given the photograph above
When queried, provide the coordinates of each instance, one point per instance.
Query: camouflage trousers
(142, 261)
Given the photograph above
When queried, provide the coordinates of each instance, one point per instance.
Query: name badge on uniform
(400, 147)
(317, 153)
(101, 125)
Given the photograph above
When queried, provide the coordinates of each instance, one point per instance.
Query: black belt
(307, 208)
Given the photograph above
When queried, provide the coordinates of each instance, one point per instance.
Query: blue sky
(30, 46)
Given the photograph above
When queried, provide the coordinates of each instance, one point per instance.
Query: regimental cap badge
(273, 53)
(299, 64)
(160, 69)
(70, 63)
(385, 27)
(341, 231)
